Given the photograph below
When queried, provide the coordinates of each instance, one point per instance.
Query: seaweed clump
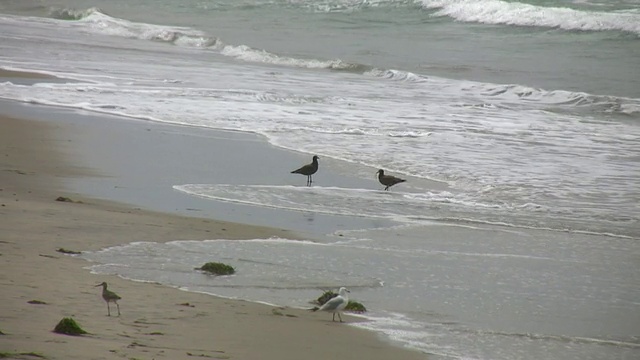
(355, 307)
(70, 252)
(68, 326)
(216, 268)
(37, 302)
(352, 306)
(67, 199)
(326, 296)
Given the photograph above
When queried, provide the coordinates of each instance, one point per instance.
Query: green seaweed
(216, 268)
(68, 326)
(355, 307)
(326, 296)
(37, 302)
(70, 252)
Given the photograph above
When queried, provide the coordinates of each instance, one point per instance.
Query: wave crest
(73, 14)
(398, 75)
(246, 53)
(97, 21)
(499, 12)
(609, 104)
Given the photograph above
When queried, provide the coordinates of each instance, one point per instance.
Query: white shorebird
(336, 304)
(109, 296)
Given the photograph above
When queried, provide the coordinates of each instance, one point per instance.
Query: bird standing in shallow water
(336, 304)
(109, 296)
(308, 170)
(388, 180)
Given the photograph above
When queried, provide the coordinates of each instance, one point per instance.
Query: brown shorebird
(308, 170)
(109, 296)
(336, 304)
(388, 180)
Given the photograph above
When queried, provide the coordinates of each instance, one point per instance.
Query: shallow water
(458, 292)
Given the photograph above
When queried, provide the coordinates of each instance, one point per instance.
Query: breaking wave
(499, 12)
(95, 20)
(73, 14)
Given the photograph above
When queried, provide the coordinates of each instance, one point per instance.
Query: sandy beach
(157, 322)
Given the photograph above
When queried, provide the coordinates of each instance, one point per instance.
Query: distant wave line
(499, 12)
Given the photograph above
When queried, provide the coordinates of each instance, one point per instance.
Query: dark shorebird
(388, 180)
(308, 170)
(109, 296)
(336, 304)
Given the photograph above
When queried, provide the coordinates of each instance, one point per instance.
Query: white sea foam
(101, 23)
(396, 75)
(522, 14)
(349, 133)
(412, 208)
(246, 53)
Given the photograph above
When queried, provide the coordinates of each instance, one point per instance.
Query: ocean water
(526, 113)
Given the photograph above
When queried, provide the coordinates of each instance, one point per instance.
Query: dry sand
(157, 322)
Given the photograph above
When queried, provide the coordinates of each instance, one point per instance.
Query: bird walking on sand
(109, 296)
(308, 170)
(388, 180)
(336, 304)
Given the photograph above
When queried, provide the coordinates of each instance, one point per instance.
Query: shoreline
(141, 161)
(36, 169)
